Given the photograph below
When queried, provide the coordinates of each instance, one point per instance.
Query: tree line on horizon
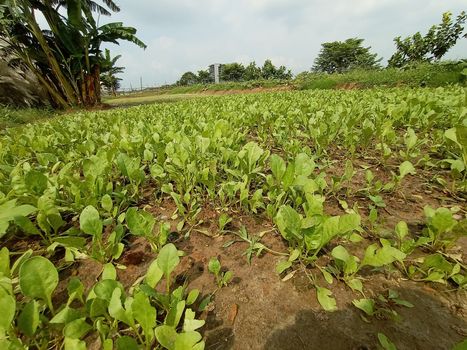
(344, 56)
(235, 72)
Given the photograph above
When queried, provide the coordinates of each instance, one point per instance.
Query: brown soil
(258, 310)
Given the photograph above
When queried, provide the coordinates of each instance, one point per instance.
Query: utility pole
(141, 83)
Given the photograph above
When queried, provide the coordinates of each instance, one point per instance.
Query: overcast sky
(188, 35)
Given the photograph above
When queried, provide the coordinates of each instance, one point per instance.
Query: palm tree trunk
(68, 91)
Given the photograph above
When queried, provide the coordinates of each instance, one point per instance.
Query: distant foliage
(342, 56)
(269, 71)
(252, 72)
(432, 46)
(109, 71)
(232, 72)
(188, 78)
(204, 77)
(237, 72)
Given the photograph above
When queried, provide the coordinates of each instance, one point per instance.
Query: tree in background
(269, 71)
(431, 47)
(204, 77)
(252, 72)
(232, 72)
(342, 56)
(188, 78)
(65, 58)
(238, 72)
(109, 71)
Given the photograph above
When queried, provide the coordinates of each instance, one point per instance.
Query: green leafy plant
(222, 278)
(314, 231)
(382, 307)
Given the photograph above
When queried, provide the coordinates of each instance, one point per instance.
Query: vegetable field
(286, 220)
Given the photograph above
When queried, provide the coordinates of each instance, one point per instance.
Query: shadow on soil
(428, 325)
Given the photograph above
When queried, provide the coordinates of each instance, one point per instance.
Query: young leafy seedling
(222, 278)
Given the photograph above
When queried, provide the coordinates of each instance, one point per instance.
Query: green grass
(178, 93)
(147, 97)
(432, 75)
(10, 117)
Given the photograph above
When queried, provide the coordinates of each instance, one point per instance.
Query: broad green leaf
(451, 134)
(36, 181)
(7, 310)
(126, 343)
(402, 230)
(175, 314)
(9, 211)
(366, 305)
(282, 266)
(214, 266)
(116, 309)
(105, 288)
(109, 272)
(294, 255)
(325, 299)
(166, 336)
(5, 262)
(340, 253)
(355, 284)
(278, 166)
(187, 340)
(385, 255)
(304, 165)
(385, 342)
(26, 225)
(154, 274)
(106, 203)
(140, 222)
(192, 296)
(349, 261)
(442, 220)
(76, 329)
(74, 344)
(330, 230)
(145, 314)
(38, 278)
(90, 222)
(190, 323)
(406, 168)
(108, 345)
(289, 222)
(66, 315)
(349, 223)
(28, 320)
(168, 259)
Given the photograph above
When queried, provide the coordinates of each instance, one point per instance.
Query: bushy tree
(204, 77)
(432, 46)
(232, 72)
(188, 78)
(252, 72)
(342, 56)
(270, 71)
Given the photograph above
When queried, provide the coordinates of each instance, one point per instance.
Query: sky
(189, 35)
